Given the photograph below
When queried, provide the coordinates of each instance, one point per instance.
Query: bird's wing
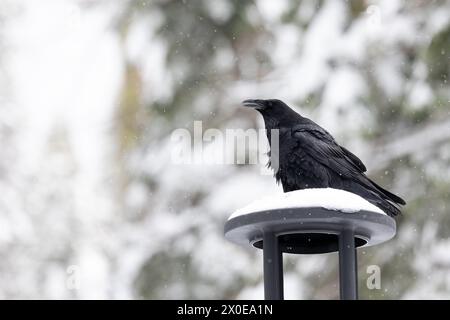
(320, 145)
(356, 161)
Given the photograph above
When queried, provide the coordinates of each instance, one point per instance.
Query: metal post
(273, 267)
(348, 276)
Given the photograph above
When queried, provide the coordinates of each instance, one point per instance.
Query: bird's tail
(388, 202)
(379, 197)
(388, 195)
(388, 207)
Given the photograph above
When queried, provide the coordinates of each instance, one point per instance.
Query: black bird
(309, 157)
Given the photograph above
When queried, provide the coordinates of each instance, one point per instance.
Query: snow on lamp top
(327, 198)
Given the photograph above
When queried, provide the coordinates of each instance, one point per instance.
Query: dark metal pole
(348, 276)
(273, 267)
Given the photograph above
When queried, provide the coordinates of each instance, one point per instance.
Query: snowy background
(91, 205)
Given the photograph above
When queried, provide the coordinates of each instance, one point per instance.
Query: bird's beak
(256, 104)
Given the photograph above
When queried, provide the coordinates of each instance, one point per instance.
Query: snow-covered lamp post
(310, 221)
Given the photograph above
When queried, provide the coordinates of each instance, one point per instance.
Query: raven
(309, 157)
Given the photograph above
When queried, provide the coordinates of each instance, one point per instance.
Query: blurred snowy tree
(373, 73)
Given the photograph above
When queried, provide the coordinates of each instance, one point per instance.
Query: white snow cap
(328, 198)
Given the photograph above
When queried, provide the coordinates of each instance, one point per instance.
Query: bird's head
(275, 112)
(270, 105)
